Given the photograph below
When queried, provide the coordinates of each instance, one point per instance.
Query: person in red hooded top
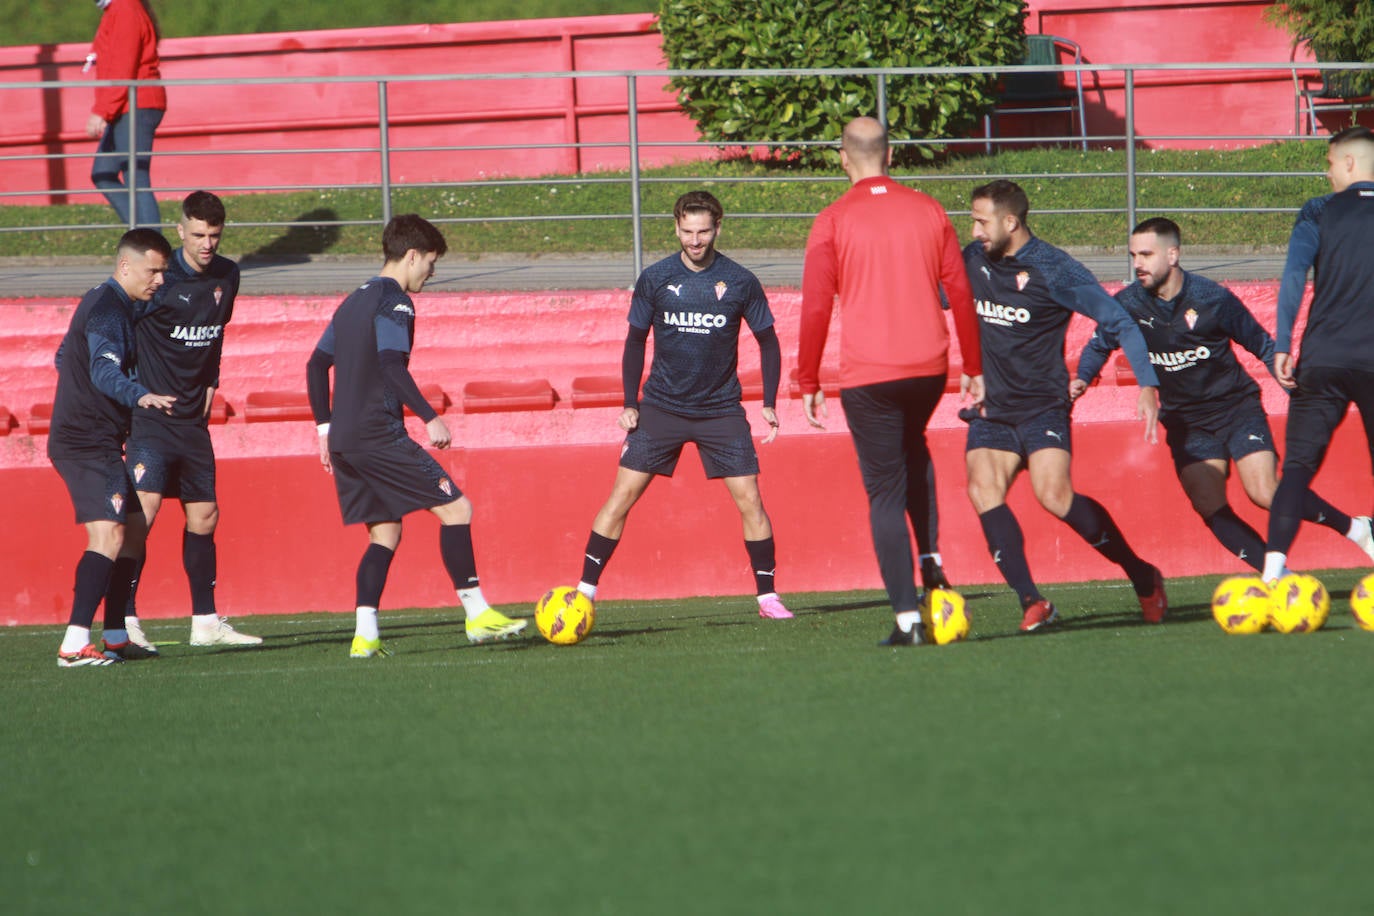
(125, 48)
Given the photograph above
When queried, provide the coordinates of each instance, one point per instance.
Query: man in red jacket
(887, 251)
(125, 48)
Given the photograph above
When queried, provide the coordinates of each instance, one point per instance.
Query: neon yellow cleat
(367, 648)
(492, 624)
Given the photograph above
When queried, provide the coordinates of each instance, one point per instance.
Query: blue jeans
(112, 159)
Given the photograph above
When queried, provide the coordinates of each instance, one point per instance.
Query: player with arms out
(97, 389)
(380, 473)
(1209, 406)
(1026, 290)
(1332, 234)
(180, 337)
(694, 302)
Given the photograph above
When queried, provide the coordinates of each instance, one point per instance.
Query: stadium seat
(1125, 375)
(270, 406)
(751, 385)
(219, 410)
(7, 421)
(597, 391)
(40, 417)
(497, 396)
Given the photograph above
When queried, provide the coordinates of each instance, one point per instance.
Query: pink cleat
(771, 608)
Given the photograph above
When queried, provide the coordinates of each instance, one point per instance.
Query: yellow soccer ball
(1240, 605)
(1298, 603)
(1362, 603)
(946, 616)
(564, 616)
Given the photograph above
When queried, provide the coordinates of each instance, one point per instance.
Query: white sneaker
(1362, 533)
(215, 631)
(136, 635)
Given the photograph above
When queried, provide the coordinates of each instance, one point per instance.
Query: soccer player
(380, 473)
(180, 337)
(1209, 405)
(97, 389)
(887, 250)
(1337, 364)
(1026, 290)
(693, 301)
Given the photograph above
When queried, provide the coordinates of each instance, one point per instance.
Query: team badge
(1021, 280)
(1190, 318)
(447, 486)
(720, 290)
(139, 471)
(117, 501)
(219, 294)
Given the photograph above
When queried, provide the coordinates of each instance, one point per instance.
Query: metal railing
(384, 151)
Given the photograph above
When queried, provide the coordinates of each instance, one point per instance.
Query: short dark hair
(142, 241)
(410, 231)
(698, 201)
(1006, 197)
(1358, 132)
(203, 205)
(1166, 229)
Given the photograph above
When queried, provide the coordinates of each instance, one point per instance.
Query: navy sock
(762, 560)
(1316, 509)
(599, 550)
(1092, 523)
(122, 573)
(131, 606)
(1237, 537)
(92, 581)
(1008, 548)
(1286, 511)
(372, 570)
(201, 562)
(455, 546)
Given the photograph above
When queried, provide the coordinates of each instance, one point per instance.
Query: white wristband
(322, 428)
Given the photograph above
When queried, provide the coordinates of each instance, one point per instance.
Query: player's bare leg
(758, 541)
(991, 473)
(1204, 482)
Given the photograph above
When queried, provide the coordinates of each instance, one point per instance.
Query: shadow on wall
(302, 240)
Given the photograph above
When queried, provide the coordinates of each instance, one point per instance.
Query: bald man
(1337, 365)
(886, 251)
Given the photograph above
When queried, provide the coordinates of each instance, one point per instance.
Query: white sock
(1275, 566)
(931, 556)
(76, 639)
(1359, 526)
(908, 620)
(367, 624)
(115, 637)
(473, 602)
(763, 598)
(587, 589)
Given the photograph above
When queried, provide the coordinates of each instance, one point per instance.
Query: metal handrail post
(131, 165)
(632, 104)
(882, 99)
(1131, 175)
(385, 150)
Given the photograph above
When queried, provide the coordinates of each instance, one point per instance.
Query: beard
(996, 250)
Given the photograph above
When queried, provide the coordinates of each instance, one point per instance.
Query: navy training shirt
(1024, 302)
(695, 317)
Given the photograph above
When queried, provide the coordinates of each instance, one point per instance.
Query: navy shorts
(386, 484)
(173, 459)
(725, 444)
(1319, 406)
(1232, 437)
(99, 487)
(1050, 429)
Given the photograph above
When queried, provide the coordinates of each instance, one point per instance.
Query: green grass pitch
(691, 758)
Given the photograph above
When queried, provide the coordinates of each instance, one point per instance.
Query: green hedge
(778, 34)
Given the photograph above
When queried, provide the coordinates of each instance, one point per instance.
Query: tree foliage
(1338, 31)
(793, 34)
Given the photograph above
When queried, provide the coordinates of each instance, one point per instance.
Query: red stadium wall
(219, 122)
(538, 469)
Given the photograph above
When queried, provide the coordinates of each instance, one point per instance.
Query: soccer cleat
(916, 636)
(367, 648)
(933, 575)
(492, 624)
(1040, 614)
(772, 608)
(1363, 534)
(87, 655)
(1154, 607)
(136, 634)
(129, 651)
(217, 632)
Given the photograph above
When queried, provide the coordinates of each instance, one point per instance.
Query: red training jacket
(125, 48)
